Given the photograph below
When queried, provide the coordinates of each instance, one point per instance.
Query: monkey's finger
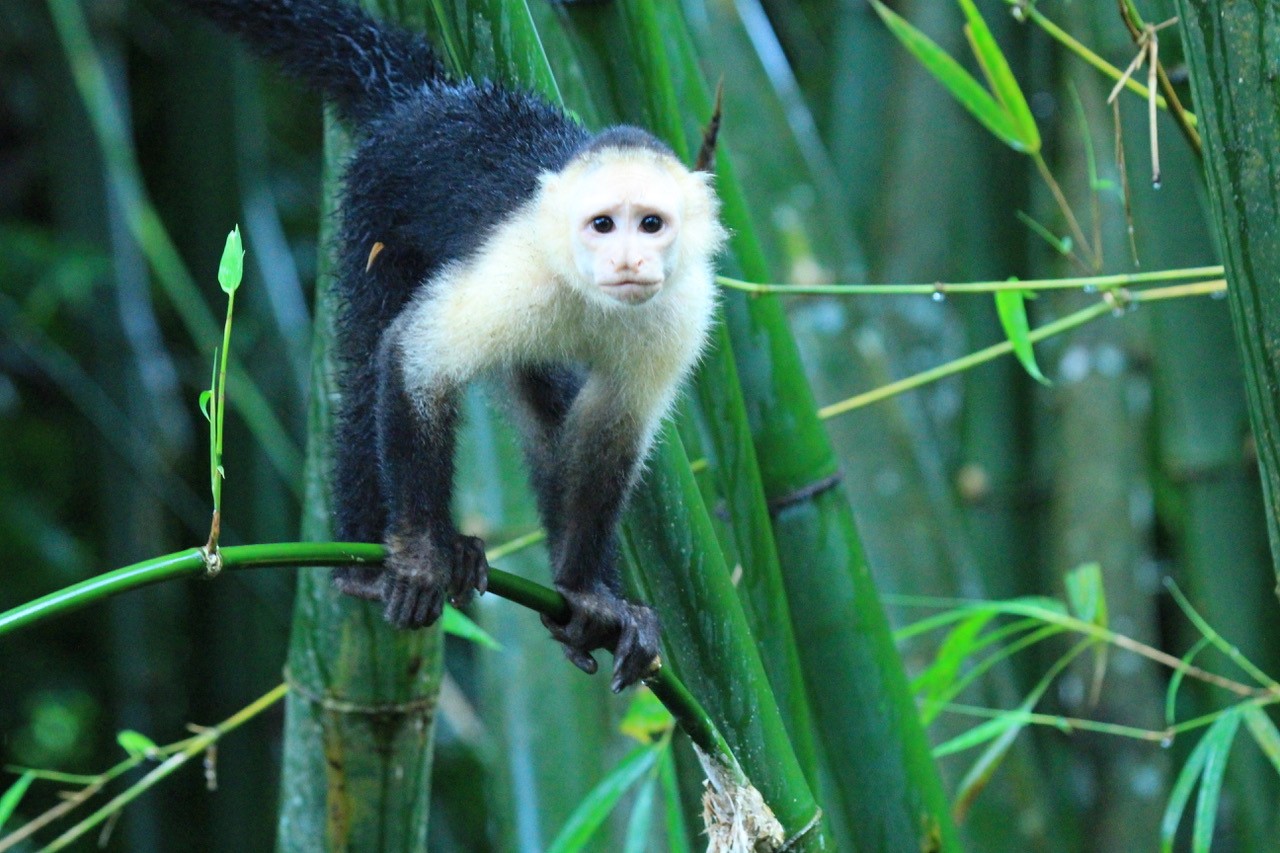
(428, 604)
(471, 572)
(628, 659)
(394, 598)
(582, 660)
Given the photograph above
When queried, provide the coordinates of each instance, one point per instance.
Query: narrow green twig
(959, 608)
(1184, 120)
(674, 695)
(92, 785)
(1088, 282)
(191, 748)
(1093, 254)
(1112, 300)
(1212, 636)
(1029, 12)
(1069, 724)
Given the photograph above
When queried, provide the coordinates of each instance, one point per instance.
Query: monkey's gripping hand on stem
(600, 619)
(419, 576)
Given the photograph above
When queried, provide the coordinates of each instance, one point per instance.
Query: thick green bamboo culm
(876, 750)
(716, 383)
(1231, 51)
(361, 708)
(667, 521)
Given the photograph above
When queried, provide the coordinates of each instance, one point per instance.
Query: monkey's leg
(429, 561)
(598, 455)
(359, 514)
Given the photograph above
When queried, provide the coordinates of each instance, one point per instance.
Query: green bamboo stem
(1107, 305)
(719, 392)
(190, 563)
(940, 289)
(1230, 50)
(1074, 45)
(1074, 724)
(193, 747)
(884, 783)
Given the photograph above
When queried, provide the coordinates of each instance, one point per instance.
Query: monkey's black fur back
(431, 180)
(438, 164)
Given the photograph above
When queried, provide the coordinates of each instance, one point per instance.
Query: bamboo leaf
(600, 802)
(646, 718)
(1264, 733)
(1175, 682)
(1029, 639)
(932, 685)
(1005, 733)
(637, 839)
(982, 770)
(458, 624)
(977, 735)
(1220, 737)
(1012, 308)
(231, 267)
(1000, 76)
(963, 87)
(12, 797)
(1087, 599)
(677, 833)
(137, 744)
(1181, 793)
(205, 398)
(1085, 594)
(1034, 606)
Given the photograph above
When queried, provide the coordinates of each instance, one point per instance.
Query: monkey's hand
(600, 619)
(419, 576)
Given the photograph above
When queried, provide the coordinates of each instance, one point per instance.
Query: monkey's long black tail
(362, 65)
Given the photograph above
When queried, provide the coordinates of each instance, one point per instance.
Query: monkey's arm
(599, 447)
(429, 561)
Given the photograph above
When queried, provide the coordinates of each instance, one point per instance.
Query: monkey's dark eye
(602, 224)
(651, 224)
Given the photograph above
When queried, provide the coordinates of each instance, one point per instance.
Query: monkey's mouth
(633, 291)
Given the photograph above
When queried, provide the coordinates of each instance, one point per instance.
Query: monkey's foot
(419, 577)
(599, 619)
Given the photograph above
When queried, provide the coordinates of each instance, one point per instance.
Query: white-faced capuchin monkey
(483, 231)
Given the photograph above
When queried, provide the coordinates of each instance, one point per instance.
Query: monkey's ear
(706, 160)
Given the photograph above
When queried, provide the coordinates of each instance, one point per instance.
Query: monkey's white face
(625, 216)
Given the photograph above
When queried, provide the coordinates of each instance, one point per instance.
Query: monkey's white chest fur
(509, 307)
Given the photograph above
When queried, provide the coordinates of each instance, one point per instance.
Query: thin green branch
(192, 747)
(673, 694)
(1212, 636)
(960, 608)
(1031, 13)
(1092, 253)
(1185, 121)
(1088, 282)
(1112, 300)
(70, 802)
(1070, 724)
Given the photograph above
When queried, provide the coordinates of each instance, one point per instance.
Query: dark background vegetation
(858, 167)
